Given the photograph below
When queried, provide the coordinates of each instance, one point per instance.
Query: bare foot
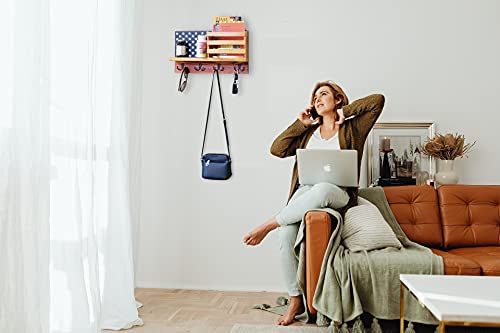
(296, 307)
(256, 236)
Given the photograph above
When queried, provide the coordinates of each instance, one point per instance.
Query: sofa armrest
(318, 231)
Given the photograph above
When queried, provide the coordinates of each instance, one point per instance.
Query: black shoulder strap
(216, 73)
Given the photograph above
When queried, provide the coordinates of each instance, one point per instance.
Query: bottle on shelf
(181, 48)
(201, 46)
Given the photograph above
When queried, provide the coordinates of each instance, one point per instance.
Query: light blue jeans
(307, 197)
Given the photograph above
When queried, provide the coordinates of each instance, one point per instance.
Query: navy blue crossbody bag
(215, 166)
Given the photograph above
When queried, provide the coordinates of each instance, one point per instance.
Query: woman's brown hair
(338, 93)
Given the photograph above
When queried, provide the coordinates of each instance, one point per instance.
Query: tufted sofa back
(417, 212)
(470, 215)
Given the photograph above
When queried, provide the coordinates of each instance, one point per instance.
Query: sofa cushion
(365, 229)
(487, 257)
(458, 265)
(470, 215)
(416, 210)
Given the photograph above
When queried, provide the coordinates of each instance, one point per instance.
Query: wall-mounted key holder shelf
(226, 51)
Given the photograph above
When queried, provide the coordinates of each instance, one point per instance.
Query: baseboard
(168, 285)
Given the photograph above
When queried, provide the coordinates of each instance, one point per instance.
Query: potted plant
(446, 148)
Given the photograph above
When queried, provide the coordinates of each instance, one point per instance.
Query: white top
(457, 297)
(317, 142)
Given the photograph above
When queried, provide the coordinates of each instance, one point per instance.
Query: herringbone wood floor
(200, 311)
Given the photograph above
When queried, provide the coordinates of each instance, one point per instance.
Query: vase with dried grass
(446, 148)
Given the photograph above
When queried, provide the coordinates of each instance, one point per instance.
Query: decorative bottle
(181, 48)
(201, 46)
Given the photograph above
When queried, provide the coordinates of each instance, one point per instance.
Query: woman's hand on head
(305, 117)
(341, 117)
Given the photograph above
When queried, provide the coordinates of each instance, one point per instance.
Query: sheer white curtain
(24, 167)
(65, 222)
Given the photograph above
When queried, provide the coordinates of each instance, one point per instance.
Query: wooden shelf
(201, 60)
(226, 51)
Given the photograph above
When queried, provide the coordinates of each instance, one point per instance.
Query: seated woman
(337, 125)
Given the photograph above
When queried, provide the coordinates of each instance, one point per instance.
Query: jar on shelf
(201, 46)
(181, 48)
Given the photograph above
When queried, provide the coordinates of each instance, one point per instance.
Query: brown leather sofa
(460, 223)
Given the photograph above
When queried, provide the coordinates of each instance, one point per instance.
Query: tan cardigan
(352, 135)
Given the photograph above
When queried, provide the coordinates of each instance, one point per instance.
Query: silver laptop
(339, 167)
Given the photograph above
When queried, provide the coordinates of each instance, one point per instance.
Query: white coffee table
(455, 300)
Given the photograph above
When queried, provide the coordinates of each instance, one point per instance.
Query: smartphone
(314, 113)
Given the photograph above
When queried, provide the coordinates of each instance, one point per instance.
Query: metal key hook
(239, 68)
(182, 67)
(199, 67)
(218, 68)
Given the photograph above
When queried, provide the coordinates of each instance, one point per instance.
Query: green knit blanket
(351, 283)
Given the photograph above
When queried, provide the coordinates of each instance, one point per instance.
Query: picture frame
(394, 154)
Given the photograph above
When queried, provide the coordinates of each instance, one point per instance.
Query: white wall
(433, 60)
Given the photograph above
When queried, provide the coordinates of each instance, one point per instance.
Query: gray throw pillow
(365, 229)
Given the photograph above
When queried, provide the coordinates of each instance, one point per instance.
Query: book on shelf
(229, 27)
(227, 19)
(228, 24)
